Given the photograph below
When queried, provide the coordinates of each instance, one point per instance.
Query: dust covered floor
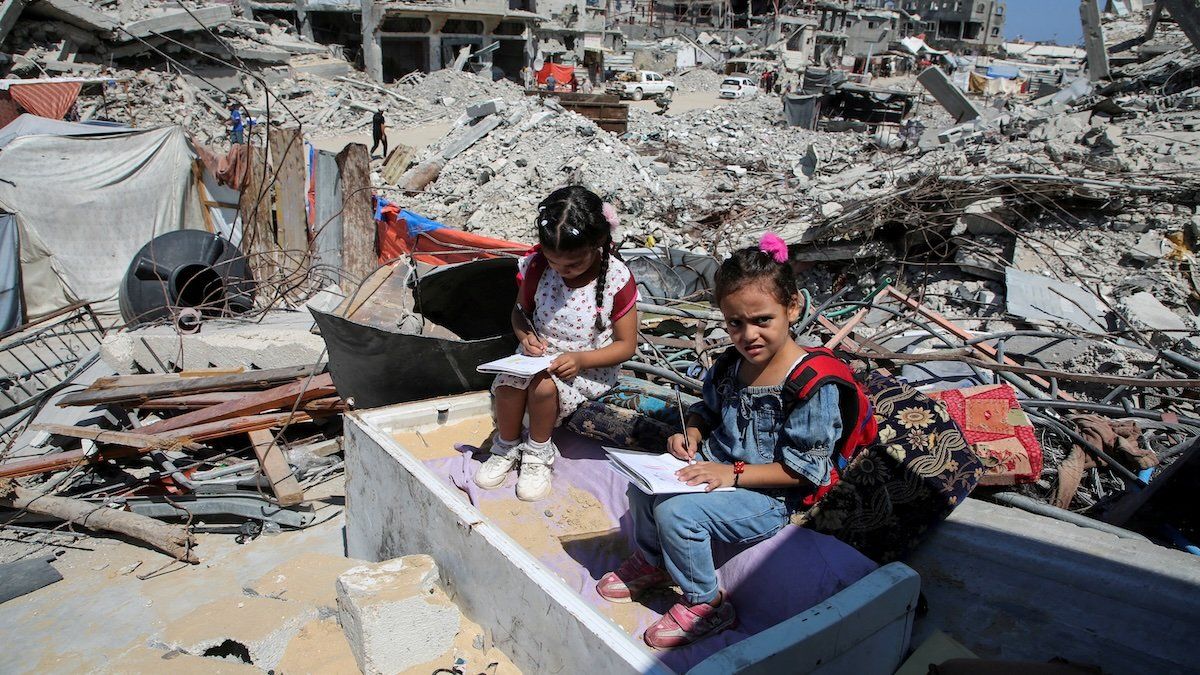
(272, 599)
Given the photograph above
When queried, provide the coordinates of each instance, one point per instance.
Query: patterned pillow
(634, 414)
(895, 490)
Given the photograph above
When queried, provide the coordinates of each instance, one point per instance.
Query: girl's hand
(532, 346)
(565, 366)
(685, 446)
(715, 474)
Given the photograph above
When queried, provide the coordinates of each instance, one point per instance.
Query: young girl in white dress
(577, 301)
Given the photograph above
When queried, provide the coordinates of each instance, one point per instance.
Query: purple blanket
(768, 582)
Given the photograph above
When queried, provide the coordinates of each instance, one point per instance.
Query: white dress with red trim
(566, 319)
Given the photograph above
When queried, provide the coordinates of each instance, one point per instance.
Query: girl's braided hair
(571, 219)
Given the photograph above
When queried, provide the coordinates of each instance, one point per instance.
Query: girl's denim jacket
(747, 424)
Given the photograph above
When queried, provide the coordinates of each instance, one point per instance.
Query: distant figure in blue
(237, 129)
(551, 82)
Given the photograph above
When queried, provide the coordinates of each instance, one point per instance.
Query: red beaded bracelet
(738, 468)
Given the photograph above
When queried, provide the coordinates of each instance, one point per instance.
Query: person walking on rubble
(577, 302)
(236, 123)
(378, 132)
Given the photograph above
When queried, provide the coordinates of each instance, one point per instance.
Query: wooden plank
(358, 219)
(255, 379)
(238, 425)
(158, 378)
(254, 203)
(397, 162)
(252, 403)
(287, 162)
(202, 192)
(120, 438)
(191, 401)
(276, 468)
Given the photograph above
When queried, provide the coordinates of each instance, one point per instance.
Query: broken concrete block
(280, 339)
(492, 107)
(254, 630)
(1147, 313)
(831, 209)
(1033, 296)
(987, 216)
(949, 96)
(1150, 248)
(309, 577)
(395, 614)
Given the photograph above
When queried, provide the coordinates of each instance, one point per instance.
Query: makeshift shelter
(563, 74)
(34, 125)
(84, 205)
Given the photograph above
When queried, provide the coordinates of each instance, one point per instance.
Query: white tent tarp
(86, 205)
(33, 125)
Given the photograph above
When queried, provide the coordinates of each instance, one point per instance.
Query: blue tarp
(10, 274)
(418, 224)
(1004, 71)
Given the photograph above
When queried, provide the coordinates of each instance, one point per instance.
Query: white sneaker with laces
(533, 482)
(493, 472)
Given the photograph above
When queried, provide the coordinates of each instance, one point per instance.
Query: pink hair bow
(610, 215)
(774, 246)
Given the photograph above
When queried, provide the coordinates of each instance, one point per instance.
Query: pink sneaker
(634, 576)
(684, 624)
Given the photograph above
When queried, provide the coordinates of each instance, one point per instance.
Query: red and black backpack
(816, 369)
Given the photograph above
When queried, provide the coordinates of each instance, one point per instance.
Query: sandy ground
(102, 618)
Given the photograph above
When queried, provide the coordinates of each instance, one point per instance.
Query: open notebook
(517, 364)
(653, 474)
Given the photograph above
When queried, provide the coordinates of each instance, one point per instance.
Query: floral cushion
(895, 490)
(635, 414)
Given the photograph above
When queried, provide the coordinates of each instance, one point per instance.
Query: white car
(738, 86)
(638, 84)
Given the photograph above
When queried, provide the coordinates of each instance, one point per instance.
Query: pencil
(683, 424)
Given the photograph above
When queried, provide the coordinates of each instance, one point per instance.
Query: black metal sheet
(377, 367)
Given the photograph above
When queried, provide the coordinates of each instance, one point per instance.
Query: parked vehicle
(638, 84)
(738, 86)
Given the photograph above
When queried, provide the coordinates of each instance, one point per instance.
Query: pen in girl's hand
(687, 446)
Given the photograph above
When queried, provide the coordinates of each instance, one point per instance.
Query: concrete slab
(1033, 296)
(257, 630)
(280, 339)
(1009, 584)
(949, 96)
(190, 20)
(1147, 313)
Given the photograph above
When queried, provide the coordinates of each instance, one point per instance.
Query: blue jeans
(675, 532)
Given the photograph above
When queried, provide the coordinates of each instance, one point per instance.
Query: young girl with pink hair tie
(741, 437)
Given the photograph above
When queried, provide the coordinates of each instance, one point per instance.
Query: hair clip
(610, 215)
(574, 231)
(774, 246)
(544, 223)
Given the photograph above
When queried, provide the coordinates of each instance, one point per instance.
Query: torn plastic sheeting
(1035, 297)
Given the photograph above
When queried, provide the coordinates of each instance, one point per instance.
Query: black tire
(637, 94)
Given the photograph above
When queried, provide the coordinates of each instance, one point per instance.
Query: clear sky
(1043, 20)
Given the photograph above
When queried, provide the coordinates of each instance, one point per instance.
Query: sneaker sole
(491, 486)
(732, 624)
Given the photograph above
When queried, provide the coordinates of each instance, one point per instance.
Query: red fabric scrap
(48, 99)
